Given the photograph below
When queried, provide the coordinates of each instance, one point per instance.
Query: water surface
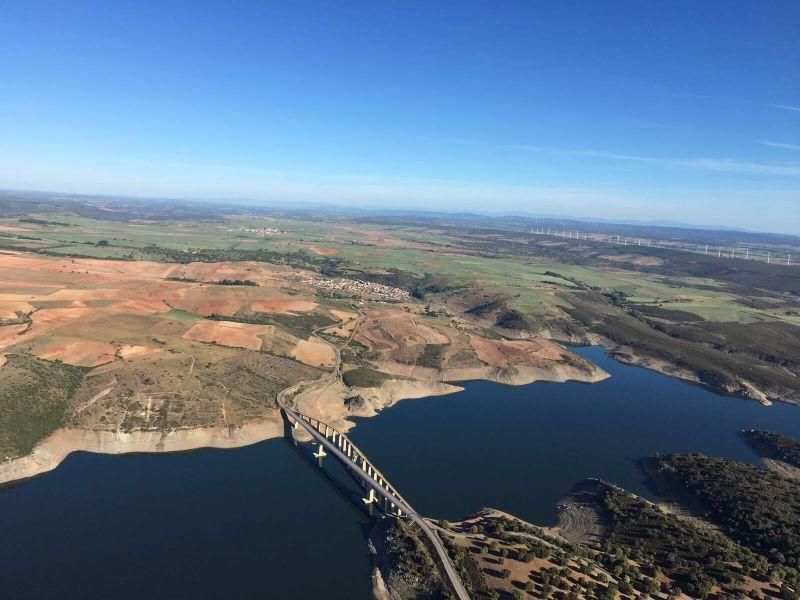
(521, 449)
(262, 521)
(246, 523)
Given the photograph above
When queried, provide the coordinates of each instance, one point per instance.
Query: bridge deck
(340, 446)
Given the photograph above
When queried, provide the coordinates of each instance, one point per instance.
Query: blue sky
(688, 111)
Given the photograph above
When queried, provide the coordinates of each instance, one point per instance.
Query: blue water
(521, 449)
(254, 522)
(262, 521)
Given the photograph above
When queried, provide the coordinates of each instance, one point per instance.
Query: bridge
(378, 489)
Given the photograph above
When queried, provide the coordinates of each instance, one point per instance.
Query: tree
(788, 593)
(506, 573)
(609, 593)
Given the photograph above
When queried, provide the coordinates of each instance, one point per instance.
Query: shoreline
(744, 390)
(327, 404)
(48, 454)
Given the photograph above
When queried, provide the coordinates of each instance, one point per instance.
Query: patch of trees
(487, 307)
(467, 570)
(718, 369)
(432, 356)
(248, 282)
(774, 342)
(511, 318)
(695, 558)
(34, 395)
(758, 508)
(409, 563)
(36, 221)
(573, 280)
(299, 258)
(300, 325)
(775, 446)
(363, 377)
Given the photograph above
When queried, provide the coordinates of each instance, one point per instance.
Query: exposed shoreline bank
(327, 403)
(740, 388)
(50, 452)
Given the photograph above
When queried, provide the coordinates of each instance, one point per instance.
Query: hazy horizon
(679, 112)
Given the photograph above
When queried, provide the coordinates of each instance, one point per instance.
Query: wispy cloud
(739, 101)
(787, 107)
(783, 145)
(719, 165)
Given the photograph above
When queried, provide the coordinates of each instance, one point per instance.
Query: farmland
(192, 315)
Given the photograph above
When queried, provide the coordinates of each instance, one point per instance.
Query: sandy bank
(336, 402)
(739, 387)
(328, 403)
(49, 453)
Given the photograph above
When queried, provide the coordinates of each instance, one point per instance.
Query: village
(358, 287)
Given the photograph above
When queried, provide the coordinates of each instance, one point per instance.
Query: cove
(521, 449)
(262, 520)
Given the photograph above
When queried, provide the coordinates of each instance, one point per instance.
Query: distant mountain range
(328, 208)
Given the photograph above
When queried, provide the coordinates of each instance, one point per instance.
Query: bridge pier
(370, 500)
(370, 478)
(320, 454)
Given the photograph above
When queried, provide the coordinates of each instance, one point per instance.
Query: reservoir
(521, 449)
(262, 521)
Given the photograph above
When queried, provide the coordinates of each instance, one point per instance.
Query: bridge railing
(352, 452)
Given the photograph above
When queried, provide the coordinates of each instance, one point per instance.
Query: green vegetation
(695, 558)
(775, 446)
(182, 315)
(468, 571)
(407, 564)
(299, 259)
(245, 282)
(34, 395)
(723, 370)
(773, 342)
(301, 325)
(734, 324)
(35, 221)
(432, 356)
(364, 377)
(758, 508)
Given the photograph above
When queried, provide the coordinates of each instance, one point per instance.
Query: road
(332, 449)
